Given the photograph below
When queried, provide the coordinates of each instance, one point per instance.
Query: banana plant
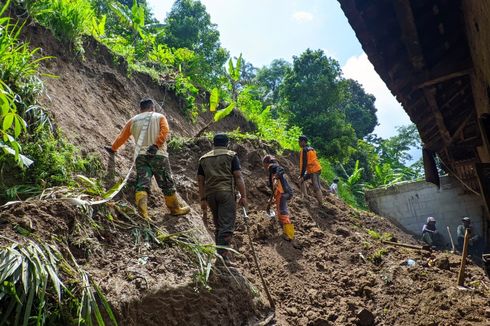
(134, 20)
(12, 125)
(233, 75)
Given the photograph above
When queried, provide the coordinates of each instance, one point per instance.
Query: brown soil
(329, 276)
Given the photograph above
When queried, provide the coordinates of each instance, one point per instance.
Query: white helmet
(430, 219)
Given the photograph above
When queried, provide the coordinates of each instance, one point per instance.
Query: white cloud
(390, 112)
(302, 16)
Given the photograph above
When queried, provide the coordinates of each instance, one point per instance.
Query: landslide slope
(333, 270)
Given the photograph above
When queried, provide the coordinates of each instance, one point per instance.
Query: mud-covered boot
(288, 230)
(175, 206)
(141, 198)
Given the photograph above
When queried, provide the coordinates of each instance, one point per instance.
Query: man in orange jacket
(309, 168)
(150, 130)
(281, 192)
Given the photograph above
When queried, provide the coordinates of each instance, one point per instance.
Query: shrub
(67, 19)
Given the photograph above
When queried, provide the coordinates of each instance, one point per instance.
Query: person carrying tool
(430, 235)
(309, 168)
(474, 241)
(281, 193)
(218, 175)
(150, 130)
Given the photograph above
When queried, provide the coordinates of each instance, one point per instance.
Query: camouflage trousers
(148, 166)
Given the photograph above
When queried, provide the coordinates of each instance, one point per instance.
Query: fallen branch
(406, 245)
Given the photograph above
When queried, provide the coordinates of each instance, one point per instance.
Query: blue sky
(264, 30)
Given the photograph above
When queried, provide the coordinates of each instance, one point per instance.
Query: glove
(109, 150)
(152, 150)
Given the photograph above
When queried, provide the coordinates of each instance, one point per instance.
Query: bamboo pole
(406, 245)
(463, 258)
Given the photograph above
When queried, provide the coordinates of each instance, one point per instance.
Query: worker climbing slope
(309, 168)
(281, 193)
(218, 175)
(150, 131)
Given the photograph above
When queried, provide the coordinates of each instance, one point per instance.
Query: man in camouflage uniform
(218, 175)
(150, 130)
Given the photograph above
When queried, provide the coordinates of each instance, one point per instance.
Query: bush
(55, 163)
(67, 19)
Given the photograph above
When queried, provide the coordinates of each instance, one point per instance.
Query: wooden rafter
(430, 95)
(442, 78)
(454, 96)
(410, 37)
(460, 129)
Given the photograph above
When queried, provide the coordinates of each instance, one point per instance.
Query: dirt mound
(335, 274)
(146, 284)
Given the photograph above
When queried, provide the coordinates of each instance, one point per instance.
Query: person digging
(150, 130)
(218, 175)
(281, 193)
(309, 168)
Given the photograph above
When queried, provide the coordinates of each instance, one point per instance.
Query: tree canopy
(269, 80)
(359, 108)
(312, 91)
(188, 25)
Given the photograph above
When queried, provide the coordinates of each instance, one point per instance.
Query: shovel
(453, 250)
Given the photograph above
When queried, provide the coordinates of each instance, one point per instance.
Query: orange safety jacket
(308, 161)
(156, 133)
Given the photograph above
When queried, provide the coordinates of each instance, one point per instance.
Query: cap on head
(303, 138)
(335, 179)
(146, 104)
(430, 219)
(466, 219)
(221, 139)
(268, 159)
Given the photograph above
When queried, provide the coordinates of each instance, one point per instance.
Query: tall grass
(67, 19)
(32, 290)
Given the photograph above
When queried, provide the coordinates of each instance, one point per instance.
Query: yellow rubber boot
(288, 230)
(174, 205)
(142, 203)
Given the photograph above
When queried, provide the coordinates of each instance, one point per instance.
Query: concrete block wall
(409, 204)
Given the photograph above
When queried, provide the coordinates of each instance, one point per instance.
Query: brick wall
(409, 204)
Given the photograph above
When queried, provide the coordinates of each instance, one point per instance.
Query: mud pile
(335, 273)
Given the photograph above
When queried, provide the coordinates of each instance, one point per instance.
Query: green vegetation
(27, 135)
(68, 19)
(373, 234)
(283, 100)
(31, 290)
(377, 257)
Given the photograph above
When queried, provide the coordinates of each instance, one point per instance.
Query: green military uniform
(217, 167)
(159, 166)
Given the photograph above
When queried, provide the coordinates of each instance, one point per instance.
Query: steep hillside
(92, 97)
(335, 273)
